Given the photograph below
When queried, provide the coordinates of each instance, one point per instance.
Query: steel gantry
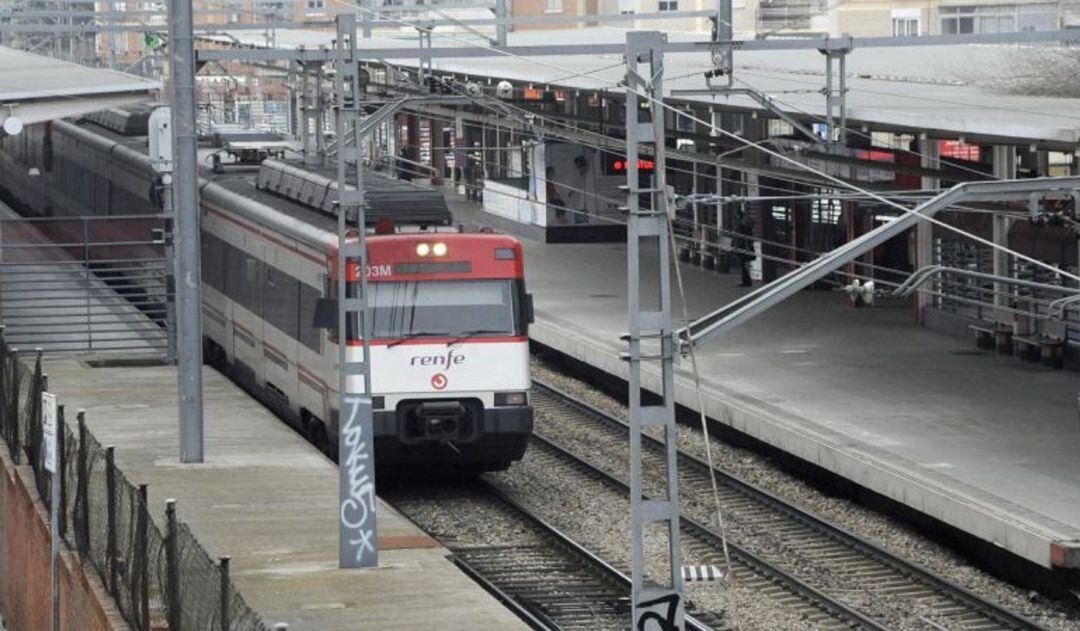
(358, 545)
(657, 593)
(751, 305)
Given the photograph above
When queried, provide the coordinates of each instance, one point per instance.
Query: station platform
(269, 499)
(984, 443)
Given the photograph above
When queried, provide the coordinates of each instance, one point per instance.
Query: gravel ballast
(875, 527)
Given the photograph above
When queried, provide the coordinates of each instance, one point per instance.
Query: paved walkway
(268, 499)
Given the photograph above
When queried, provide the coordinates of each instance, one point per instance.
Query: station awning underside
(34, 88)
(942, 90)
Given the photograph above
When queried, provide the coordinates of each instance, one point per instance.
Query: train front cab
(449, 350)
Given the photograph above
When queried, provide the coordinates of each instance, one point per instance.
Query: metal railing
(157, 574)
(85, 283)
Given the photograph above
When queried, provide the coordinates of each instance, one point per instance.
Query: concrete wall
(25, 596)
(510, 202)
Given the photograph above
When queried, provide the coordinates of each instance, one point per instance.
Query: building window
(669, 5)
(905, 22)
(316, 4)
(553, 6)
(1002, 18)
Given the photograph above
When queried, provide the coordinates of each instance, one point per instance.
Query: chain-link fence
(158, 577)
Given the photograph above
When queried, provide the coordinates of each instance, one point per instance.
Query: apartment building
(761, 18)
(901, 18)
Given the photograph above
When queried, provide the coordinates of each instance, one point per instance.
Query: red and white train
(449, 346)
(450, 360)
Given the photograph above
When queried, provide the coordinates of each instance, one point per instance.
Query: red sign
(438, 381)
(642, 165)
(958, 150)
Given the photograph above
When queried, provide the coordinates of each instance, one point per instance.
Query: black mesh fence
(158, 578)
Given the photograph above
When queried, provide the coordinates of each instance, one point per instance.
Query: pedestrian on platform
(743, 246)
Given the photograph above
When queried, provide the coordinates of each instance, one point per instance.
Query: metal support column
(312, 117)
(836, 92)
(500, 26)
(1004, 169)
(924, 230)
(649, 341)
(358, 545)
(186, 241)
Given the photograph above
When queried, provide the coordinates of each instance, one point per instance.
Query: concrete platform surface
(268, 499)
(986, 443)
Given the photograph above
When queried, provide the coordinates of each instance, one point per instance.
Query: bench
(1028, 347)
(1048, 349)
(984, 336)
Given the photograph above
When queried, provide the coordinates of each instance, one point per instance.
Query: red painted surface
(384, 252)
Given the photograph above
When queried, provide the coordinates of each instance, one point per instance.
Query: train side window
(213, 263)
(280, 297)
(235, 272)
(310, 336)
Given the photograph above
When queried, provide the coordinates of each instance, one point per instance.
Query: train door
(248, 277)
(281, 319)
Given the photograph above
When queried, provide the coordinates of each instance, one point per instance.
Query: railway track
(839, 568)
(549, 580)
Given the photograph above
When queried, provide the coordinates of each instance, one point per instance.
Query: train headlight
(511, 398)
(423, 249)
(439, 249)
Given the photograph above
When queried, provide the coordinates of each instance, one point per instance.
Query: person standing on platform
(743, 246)
(554, 200)
(404, 169)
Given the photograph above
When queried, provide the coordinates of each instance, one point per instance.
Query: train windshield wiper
(464, 335)
(411, 336)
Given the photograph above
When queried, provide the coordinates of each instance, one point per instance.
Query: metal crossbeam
(540, 50)
(758, 301)
(658, 598)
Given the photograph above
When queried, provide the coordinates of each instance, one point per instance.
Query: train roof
(405, 203)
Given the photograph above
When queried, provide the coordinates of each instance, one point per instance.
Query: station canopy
(945, 90)
(34, 88)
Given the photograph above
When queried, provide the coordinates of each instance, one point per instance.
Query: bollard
(110, 503)
(172, 562)
(143, 545)
(225, 595)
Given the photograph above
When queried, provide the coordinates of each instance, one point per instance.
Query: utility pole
(500, 26)
(653, 598)
(186, 242)
(358, 537)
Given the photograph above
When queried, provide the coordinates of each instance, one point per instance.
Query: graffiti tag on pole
(356, 464)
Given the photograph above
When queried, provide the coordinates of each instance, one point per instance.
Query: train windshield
(444, 308)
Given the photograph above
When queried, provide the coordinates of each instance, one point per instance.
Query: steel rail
(500, 570)
(699, 536)
(931, 583)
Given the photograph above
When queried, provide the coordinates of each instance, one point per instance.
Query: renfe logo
(447, 361)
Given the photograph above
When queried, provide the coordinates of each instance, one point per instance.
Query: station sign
(617, 165)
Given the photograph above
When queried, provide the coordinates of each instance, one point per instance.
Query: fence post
(16, 448)
(82, 481)
(143, 546)
(5, 387)
(225, 593)
(110, 502)
(172, 562)
(62, 462)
